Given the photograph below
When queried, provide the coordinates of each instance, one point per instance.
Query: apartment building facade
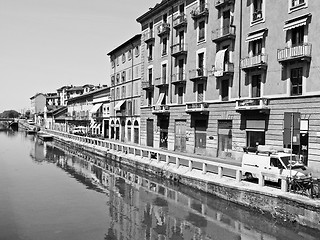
(125, 94)
(221, 75)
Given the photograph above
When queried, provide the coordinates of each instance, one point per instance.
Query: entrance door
(123, 130)
(164, 124)
(150, 132)
(224, 138)
(200, 136)
(180, 136)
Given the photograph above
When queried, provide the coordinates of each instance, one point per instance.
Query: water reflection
(142, 207)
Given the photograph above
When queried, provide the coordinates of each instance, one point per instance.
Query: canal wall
(287, 206)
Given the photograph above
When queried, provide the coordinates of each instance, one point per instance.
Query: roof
(156, 9)
(36, 95)
(89, 94)
(134, 38)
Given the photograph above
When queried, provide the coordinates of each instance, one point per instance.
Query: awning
(255, 35)
(296, 22)
(161, 96)
(219, 63)
(95, 108)
(98, 125)
(92, 124)
(118, 105)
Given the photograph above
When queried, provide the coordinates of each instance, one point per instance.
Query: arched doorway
(136, 132)
(129, 129)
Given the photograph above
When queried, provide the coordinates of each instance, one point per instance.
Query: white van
(275, 163)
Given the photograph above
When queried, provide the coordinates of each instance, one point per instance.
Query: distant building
(125, 91)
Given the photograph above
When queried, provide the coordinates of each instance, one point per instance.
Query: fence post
(261, 180)
(177, 162)
(238, 175)
(204, 168)
(220, 174)
(190, 165)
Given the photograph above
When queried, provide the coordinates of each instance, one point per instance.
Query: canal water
(48, 191)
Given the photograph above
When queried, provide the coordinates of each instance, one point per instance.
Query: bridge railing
(220, 169)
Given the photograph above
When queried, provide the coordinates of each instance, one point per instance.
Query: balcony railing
(197, 107)
(252, 104)
(179, 49)
(122, 113)
(180, 21)
(200, 11)
(161, 82)
(146, 85)
(227, 69)
(258, 61)
(221, 3)
(198, 74)
(161, 109)
(97, 115)
(179, 78)
(149, 36)
(163, 28)
(302, 52)
(228, 32)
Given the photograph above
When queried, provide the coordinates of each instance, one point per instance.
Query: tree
(10, 114)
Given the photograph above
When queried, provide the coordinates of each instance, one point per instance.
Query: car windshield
(296, 163)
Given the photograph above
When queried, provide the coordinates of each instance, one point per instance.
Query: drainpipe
(240, 50)
(172, 60)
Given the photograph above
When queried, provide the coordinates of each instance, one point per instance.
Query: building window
(150, 75)
(149, 98)
(296, 81)
(123, 58)
(118, 78)
(224, 90)
(164, 73)
(256, 86)
(112, 64)
(123, 76)
(180, 95)
(200, 69)
(256, 47)
(137, 51)
(257, 10)
(150, 55)
(200, 92)
(297, 3)
(201, 32)
(112, 80)
(123, 92)
(297, 35)
(255, 138)
(129, 54)
(117, 61)
(118, 93)
(164, 46)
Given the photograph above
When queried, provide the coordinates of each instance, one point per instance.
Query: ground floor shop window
(255, 138)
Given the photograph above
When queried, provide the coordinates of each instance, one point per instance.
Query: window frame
(252, 12)
(298, 84)
(201, 31)
(295, 7)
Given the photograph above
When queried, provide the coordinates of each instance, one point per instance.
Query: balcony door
(226, 22)
(200, 92)
(180, 136)
(150, 132)
(256, 86)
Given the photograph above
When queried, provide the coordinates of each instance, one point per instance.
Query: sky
(47, 44)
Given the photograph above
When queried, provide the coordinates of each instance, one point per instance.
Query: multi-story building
(52, 99)
(62, 93)
(218, 76)
(125, 91)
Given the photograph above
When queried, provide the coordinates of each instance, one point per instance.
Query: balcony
(228, 69)
(179, 49)
(97, 115)
(149, 36)
(198, 107)
(121, 113)
(179, 78)
(198, 74)
(147, 85)
(222, 3)
(301, 52)
(160, 109)
(180, 21)
(221, 34)
(163, 28)
(201, 11)
(258, 61)
(161, 82)
(252, 104)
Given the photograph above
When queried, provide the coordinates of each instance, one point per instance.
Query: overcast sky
(46, 44)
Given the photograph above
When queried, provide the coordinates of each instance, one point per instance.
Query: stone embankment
(208, 176)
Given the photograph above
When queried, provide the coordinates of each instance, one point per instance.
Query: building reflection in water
(146, 208)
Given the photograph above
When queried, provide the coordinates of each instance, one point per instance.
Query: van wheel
(248, 176)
